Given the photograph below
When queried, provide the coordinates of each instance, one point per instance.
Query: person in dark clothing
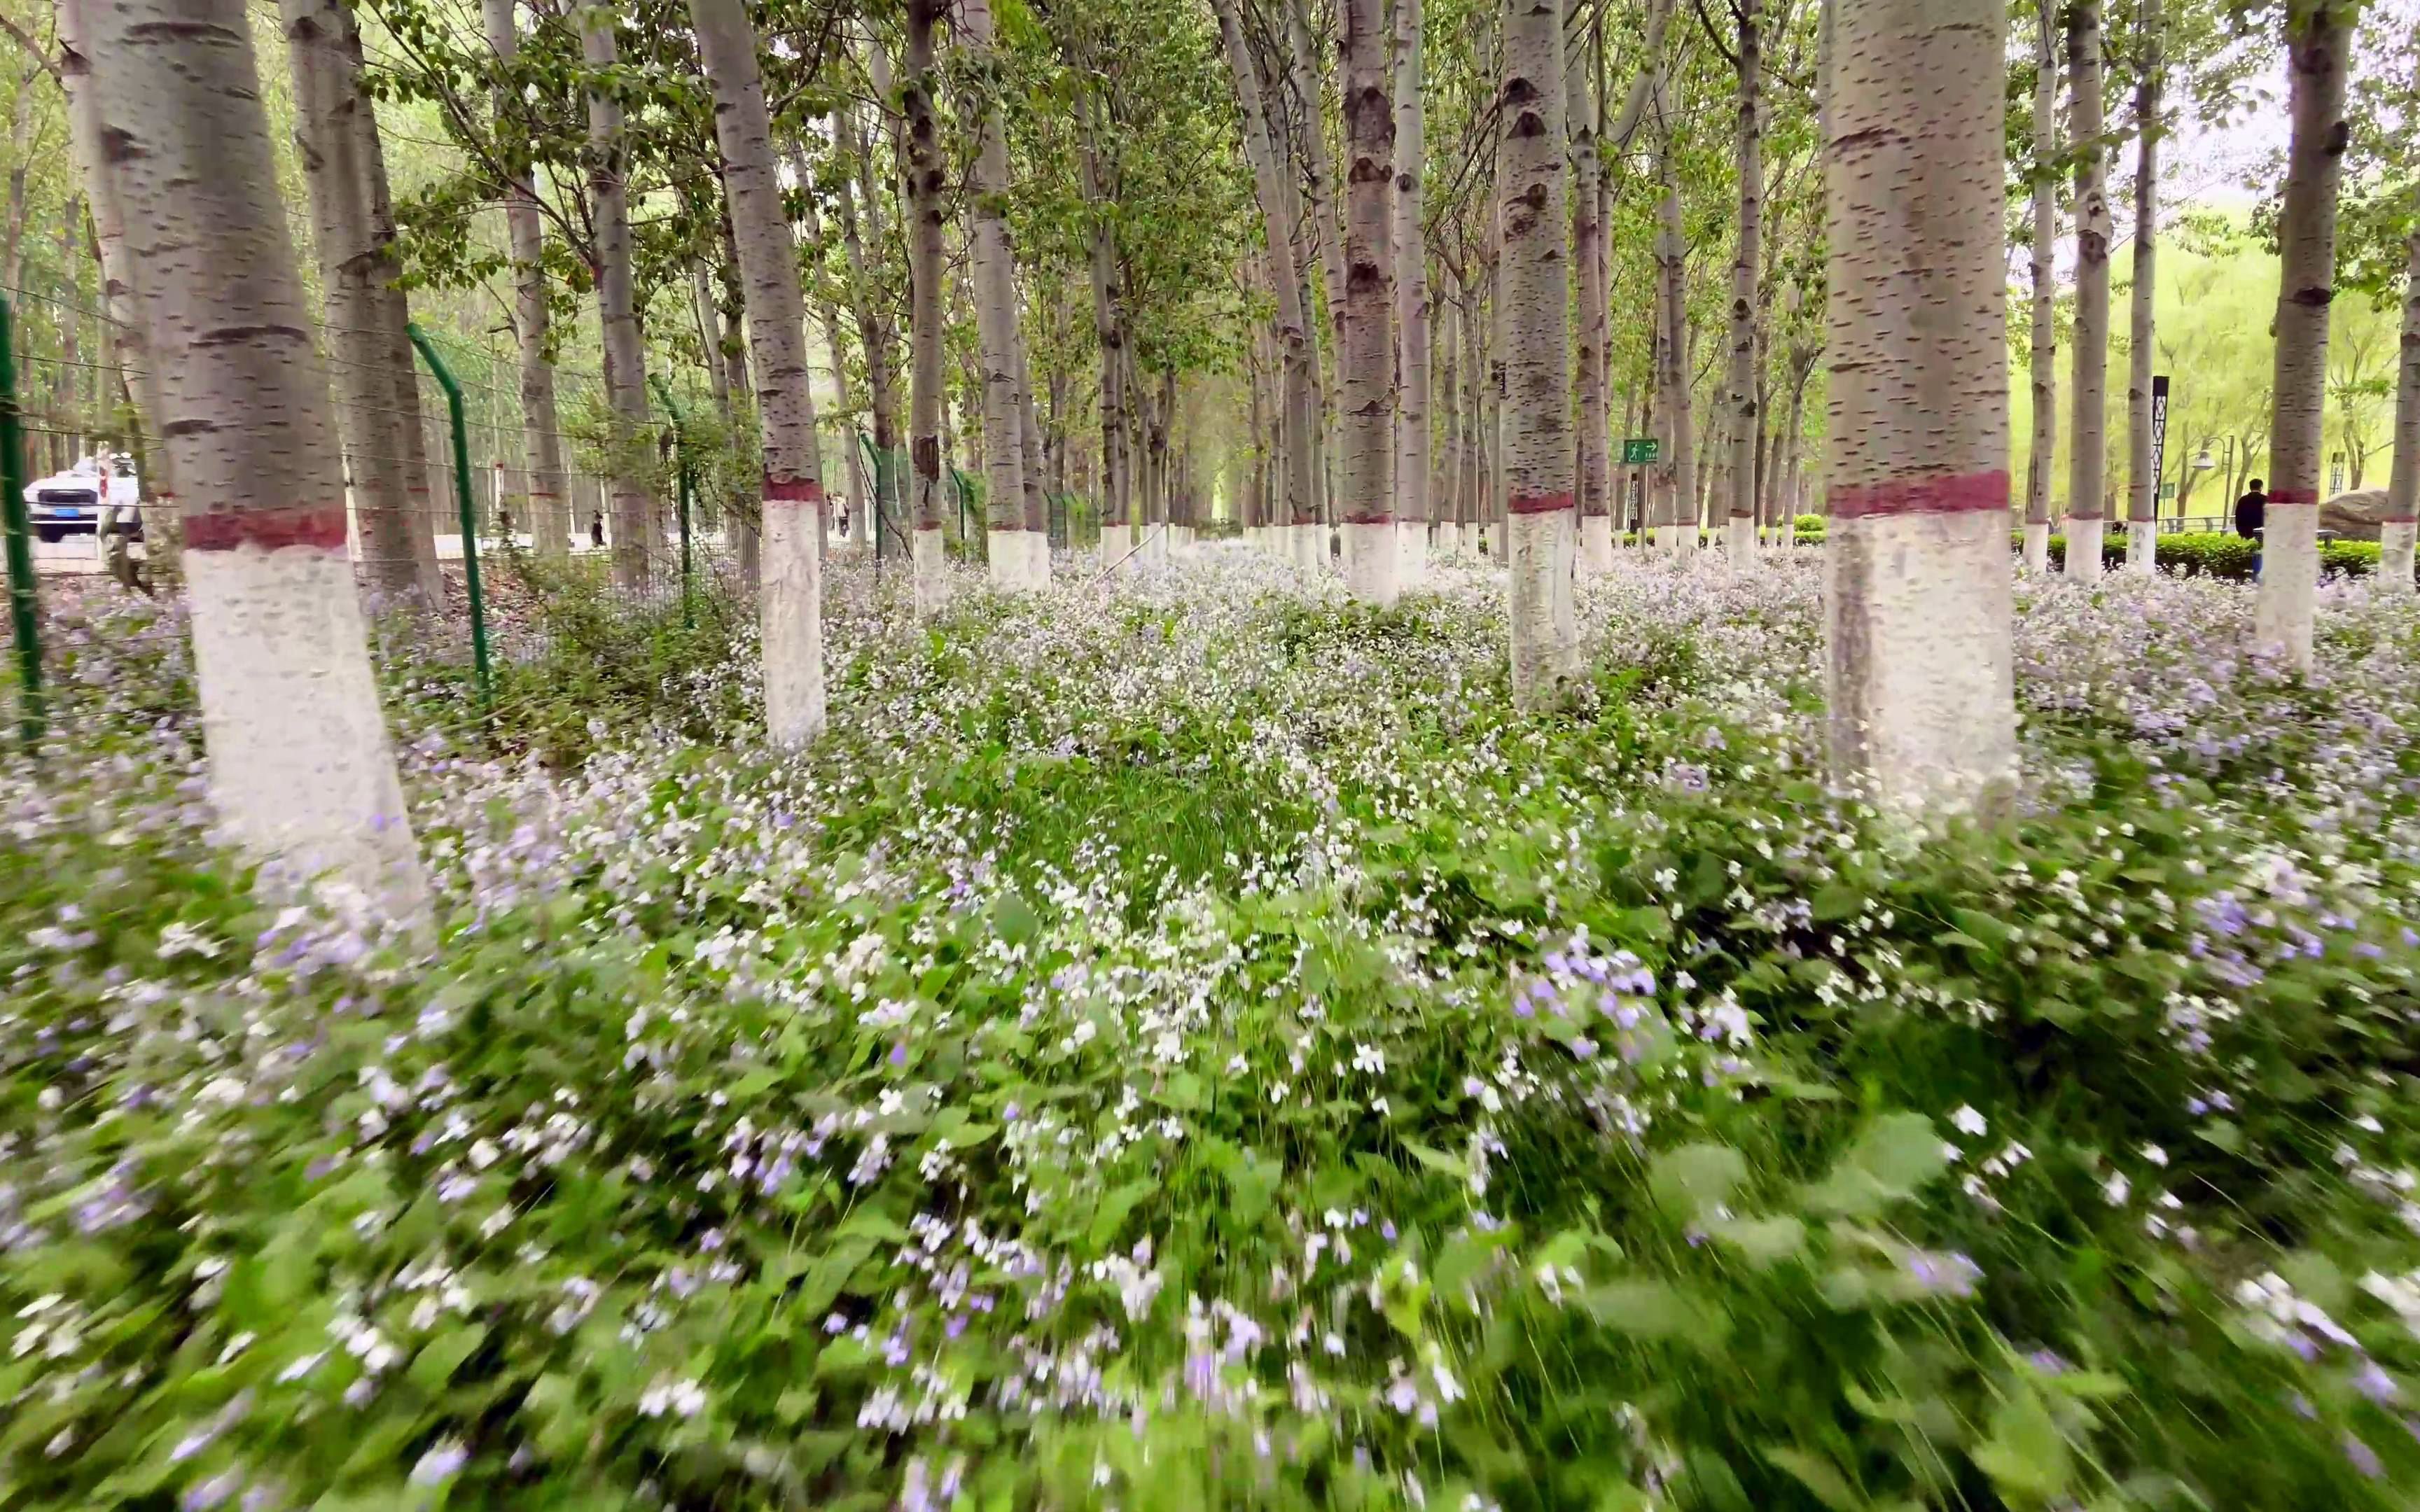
(596, 530)
(2252, 513)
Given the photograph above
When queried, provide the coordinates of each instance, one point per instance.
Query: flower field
(1198, 1047)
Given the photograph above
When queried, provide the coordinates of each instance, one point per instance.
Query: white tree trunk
(323, 47)
(790, 602)
(2088, 474)
(1036, 534)
(1918, 601)
(2318, 42)
(1541, 527)
(541, 429)
(926, 176)
(119, 300)
(1745, 263)
(1298, 505)
(300, 768)
(2142, 488)
(2402, 519)
(2043, 456)
(1413, 413)
(1595, 460)
(1365, 344)
(1677, 477)
(994, 259)
(634, 507)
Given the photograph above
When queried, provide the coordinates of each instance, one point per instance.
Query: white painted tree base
(1370, 563)
(1470, 551)
(790, 614)
(2084, 539)
(1738, 541)
(1411, 554)
(1596, 543)
(1921, 673)
(2038, 548)
(298, 765)
(2289, 583)
(930, 572)
(1310, 547)
(2142, 548)
(1154, 554)
(1538, 598)
(1020, 561)
(2396, 540)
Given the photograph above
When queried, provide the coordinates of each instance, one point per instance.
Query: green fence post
(685, 492)
(444, 376)
(21, 545)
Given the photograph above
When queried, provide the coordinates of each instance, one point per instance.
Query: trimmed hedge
(2225, 556)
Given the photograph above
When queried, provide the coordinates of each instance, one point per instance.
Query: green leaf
(1695, 1178)
(1818, 1476)
(1765, 1242)
(437, 1359)
(1111, 1215)
(1897, 1156)
(2026, 1456)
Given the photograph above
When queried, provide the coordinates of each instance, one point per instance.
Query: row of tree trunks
(2401, 527)
(547, 489)
(636, 532)
(1298, 414)
(1005, 398)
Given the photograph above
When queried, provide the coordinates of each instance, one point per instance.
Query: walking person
(2251, 518)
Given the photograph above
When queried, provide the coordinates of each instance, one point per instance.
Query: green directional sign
(1641, 450)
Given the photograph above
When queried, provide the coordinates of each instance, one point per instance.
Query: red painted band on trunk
(2294, 496)
(2400, 519)
(1543, 503)
(544, 493)
(799, 491)
(1381, 517)
(1974, 494)
(268, 529)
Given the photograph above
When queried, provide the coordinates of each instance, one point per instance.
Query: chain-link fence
(492, 569)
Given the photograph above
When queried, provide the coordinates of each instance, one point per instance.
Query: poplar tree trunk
(926, 178)
(1745, 263)
(1677, 478)
(1448, 502)
(1118, 538)
(1595, 460)
(2043, 369)
(2318, 42)
(2141, 484)
(1365, 345)
(874, 333)
(633, 507)
(323, 49)
(2402, 518)
(1030, 474)
(1535, 266)
(1412, 304)
(1299, 508)
(127, 334)
(1474, 511)
(1917, 595)
(300, 768)
(2088, 446)
(790, 603)
(541, 428)
(994, 260)
(1319, 179)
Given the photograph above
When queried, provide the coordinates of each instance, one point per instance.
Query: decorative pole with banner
(2159, 441)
